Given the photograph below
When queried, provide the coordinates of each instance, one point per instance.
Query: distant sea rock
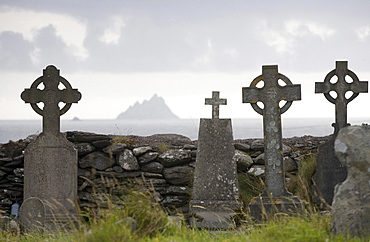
(155, 108)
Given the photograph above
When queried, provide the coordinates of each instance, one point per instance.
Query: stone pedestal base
(265, 208)
(213, 214)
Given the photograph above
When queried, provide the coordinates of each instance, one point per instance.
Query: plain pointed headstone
(276, 198)
(50, 163)
(215, 196)
(329, 171)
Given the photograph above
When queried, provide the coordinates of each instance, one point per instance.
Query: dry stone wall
(163, 162)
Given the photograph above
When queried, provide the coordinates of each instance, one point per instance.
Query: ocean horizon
(242, 128)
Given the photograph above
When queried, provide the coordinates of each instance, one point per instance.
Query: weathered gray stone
(177, 190)
(101, 143)
(98, 160)
(147, 157)
(179, 175)
(114, 149)
(257, 144)
(154, 167)
(50, 163)
(351, 207)
(215, 194)
(260, 160)
(257, 170)
(242, 160)
(175, 157)
(289, 164)
(117, 169)
(242, 147)
(141, 150)
(84, 148)
(271, 94)
(128, 161)
(174, 200)
(329, 170)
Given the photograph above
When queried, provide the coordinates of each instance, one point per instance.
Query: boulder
(172, 158)
(98, 160)
(258, 144)
(154, 167)
(179, 175)
(243, 161)
(115, 149)
(128, 161)
(147, 157)
(351, 207)
(141, 150)
(84, 148)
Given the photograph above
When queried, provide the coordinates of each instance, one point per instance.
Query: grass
(138, 217)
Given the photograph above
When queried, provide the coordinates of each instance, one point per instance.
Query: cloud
(112, 34)
(28, 23)
(303, 29)
(363, 32)
(278, 40)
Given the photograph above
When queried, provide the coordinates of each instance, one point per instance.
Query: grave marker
(50, 163)
(215, 196)
(275, 198)
(329, 171)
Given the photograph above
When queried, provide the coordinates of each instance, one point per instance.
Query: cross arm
(250, 94)
(291, 92)
(32, 95)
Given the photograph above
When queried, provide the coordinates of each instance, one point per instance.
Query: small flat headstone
(215, 196)
(329, 171)
(276, 198)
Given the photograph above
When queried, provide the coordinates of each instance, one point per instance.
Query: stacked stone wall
(163, 163)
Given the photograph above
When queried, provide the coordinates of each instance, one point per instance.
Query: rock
(190, 147)
(260, 160)
(179, 175)
(289, 164)
(101, 143)
(153, 175)
(84, 148)
(85, 137)
(154, 167)
(286, 149)
(256, 170)
(19, 172)
(141, 150)
(117, 169)
(175, 157)
(258, 144)
(351, 207)
(147, 157)
(177, 190)
(128, 161)
(114, 149)
(98, 160)
(242, 147)
(243, 161)
(174, 200)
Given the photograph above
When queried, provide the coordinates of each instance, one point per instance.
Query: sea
(242, 128)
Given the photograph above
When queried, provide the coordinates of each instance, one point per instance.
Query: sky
(119, 52)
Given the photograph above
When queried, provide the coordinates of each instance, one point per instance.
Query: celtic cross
(51, 96)
(341, 87)
(270, 95)
(215, 101)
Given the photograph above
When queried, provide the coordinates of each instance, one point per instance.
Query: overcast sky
(119, 52)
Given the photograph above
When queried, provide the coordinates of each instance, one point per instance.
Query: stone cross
(329, 171)
(270, 95)
(215, 101)
(50, 162)
(341, 86)
(51, 96)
